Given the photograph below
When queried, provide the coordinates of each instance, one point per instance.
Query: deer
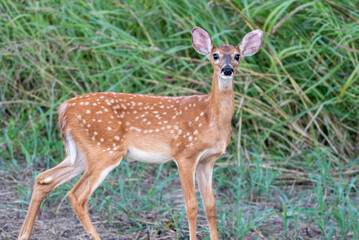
(100, 129)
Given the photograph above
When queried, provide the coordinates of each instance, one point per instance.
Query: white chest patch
(134, 154)
(225, 82)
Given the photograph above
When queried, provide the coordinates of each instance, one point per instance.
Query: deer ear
(201, 41)
(251, 43)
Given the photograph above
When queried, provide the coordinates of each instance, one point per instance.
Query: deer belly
(135, 154)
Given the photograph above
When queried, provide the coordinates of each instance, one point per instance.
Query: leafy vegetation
(290, 171)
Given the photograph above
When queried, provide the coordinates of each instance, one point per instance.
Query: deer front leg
(204, 178)
(186, 170)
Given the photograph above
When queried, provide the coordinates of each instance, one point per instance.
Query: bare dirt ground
(63, 224)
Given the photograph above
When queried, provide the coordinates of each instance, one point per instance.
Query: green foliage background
(297, 99)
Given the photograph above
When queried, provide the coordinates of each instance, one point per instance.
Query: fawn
(99, 129)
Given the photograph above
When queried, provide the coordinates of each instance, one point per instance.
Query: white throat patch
(225, 82)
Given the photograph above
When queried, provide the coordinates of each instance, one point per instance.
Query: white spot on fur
(46, 180)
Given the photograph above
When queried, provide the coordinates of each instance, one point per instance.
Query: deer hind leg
(45, 182)
(81, 192)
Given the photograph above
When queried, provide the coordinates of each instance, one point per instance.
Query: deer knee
(44, 179)
(192, 209)
(210, 210)
(43, 185)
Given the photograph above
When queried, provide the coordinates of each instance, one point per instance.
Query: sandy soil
(63, 224)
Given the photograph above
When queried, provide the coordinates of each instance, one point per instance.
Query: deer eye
(215, 56)
(236, 57)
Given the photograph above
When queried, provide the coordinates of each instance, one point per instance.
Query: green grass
(295, 128)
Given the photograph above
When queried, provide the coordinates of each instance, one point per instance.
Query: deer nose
(227, 71)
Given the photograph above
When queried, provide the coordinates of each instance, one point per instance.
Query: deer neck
(221, 102)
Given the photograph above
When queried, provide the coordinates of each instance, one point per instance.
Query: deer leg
(186, 170)
(81, 192)
(45, 182)
(204, 179)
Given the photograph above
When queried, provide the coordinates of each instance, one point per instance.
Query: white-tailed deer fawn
(100, 129)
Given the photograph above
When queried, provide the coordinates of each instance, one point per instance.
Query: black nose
(227, 71)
